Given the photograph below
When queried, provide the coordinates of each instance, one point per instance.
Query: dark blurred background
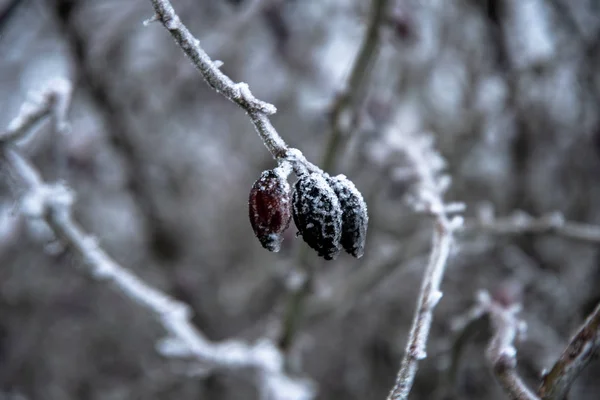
(162, 166)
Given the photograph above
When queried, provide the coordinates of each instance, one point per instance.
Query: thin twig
(239, 93)
(429, 296)
(296, 302)
(53, 101)
(520, 222)
(428, 197)
(52, 203)
(359, 74)
(501, 353)
(583, 347)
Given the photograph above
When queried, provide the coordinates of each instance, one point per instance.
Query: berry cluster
(329, 212)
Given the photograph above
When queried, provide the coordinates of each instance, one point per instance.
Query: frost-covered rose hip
(317, 215)
(269, 208)
(354, 215)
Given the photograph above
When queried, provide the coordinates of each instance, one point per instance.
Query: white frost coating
(457, 222)
(173, 347)
(267, 355)
(245, 94)
(435, 298)
(150, 20)
(173, 23)
(509, 351)
(282, 387)
(33, 204)
(355, 217)
(284, 169)
(318, 215)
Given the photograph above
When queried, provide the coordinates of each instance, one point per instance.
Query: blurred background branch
(581, 350)
(53, 204)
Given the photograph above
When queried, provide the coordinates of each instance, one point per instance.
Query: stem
(358, 77)
(582, 348)
(428, 298)
(239, 93)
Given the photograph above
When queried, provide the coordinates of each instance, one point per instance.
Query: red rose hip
(269, 208)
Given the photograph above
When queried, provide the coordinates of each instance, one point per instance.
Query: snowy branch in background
(53, 203)
(344, 109)
(583, 347)
(501, 352)
(519, 222)
(52, 101)
(426, 165)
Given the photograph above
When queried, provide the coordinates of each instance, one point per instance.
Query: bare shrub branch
(583, 347)
(346, 102)
(239, 93)
(501, 352)
(50, 102)
(428, 197)
(52, 203)
(519, 222)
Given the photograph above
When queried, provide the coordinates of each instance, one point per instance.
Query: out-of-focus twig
(50, 102)
(429, 296)
(428, 197)
(344, 103)
(161, 236)
(583, 347)
(501, 352)
(52, 203)
(520, 222)
(344, 107)
(224, 39)
(345, 295)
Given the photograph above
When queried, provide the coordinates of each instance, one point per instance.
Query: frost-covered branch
(501, 352)
(52, 203)
(520, 222)
(583, 347)
(239, 93)
(52, 101)
(428, 198)
(501, 312)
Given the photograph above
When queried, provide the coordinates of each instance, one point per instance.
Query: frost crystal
(354, 218)
(318, 215)
(269, 208)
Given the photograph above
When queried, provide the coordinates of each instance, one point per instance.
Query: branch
(346, 102)
(583, 347)
(429, 296)
(52, 101)
(520, 222)
(239, 93)
(501, 353)
(53, 203)
(428, 197)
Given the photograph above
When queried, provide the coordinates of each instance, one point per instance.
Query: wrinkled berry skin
(354, 215)
(317, 215)
(269, 208)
